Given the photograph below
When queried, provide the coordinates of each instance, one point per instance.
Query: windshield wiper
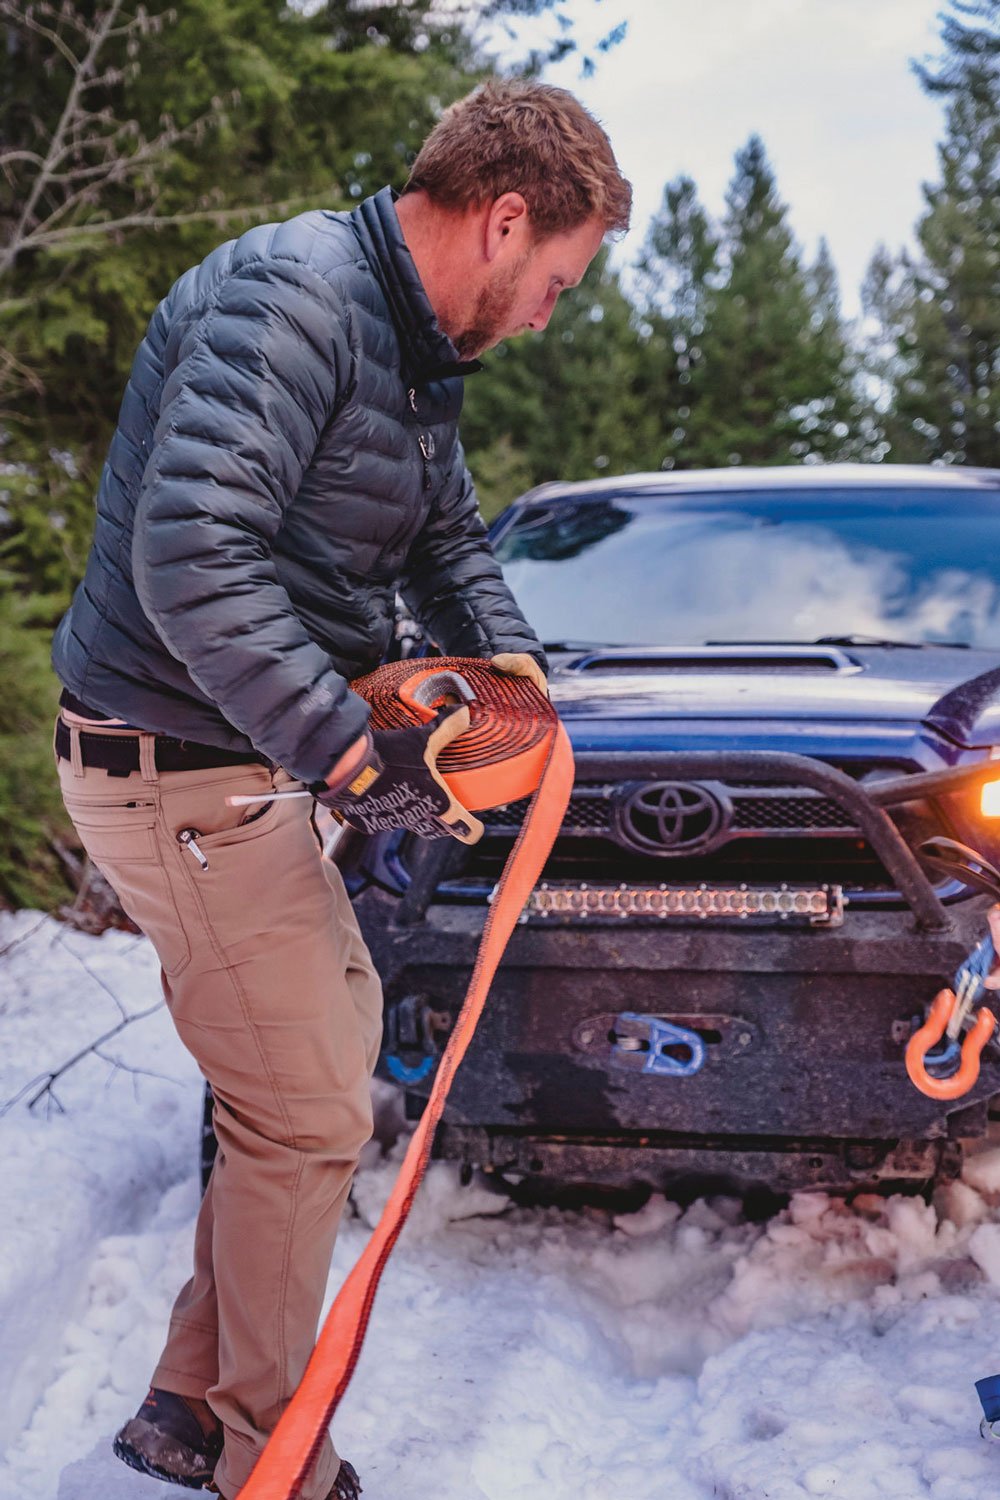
(850, 640)
(874, 640)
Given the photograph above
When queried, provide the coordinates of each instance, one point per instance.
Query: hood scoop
(702, 659)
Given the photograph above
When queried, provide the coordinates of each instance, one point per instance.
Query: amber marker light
(989, 804)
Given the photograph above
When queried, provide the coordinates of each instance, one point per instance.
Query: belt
(119, 754)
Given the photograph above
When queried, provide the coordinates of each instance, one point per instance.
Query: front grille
(795, 813)
(588, 812)
(776, 834)
(764, 811)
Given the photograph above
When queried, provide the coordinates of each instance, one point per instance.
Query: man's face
(522, 292)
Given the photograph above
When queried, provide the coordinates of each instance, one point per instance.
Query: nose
(540, 321)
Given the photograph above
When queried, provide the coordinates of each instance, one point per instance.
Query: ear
(507, 228)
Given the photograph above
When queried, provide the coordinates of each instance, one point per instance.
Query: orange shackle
(930, 1033)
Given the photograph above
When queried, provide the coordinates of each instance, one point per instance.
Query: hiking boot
(347, 1485)
(175, 1438)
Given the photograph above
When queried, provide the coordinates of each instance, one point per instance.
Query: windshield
(686, 569)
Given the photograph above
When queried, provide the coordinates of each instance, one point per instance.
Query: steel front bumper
(804, 1035)
(804, 1030)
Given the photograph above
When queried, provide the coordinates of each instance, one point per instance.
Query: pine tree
(771, 380)
(677, 275)
(754, 357)
(944, 316)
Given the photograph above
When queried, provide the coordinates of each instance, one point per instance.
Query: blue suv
(779, 683)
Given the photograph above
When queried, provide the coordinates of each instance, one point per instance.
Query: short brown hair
(510, 136)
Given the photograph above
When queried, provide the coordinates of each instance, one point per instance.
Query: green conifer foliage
(939, 311)
(678, 272)
(755, 366)
(771, 382)
(32, 820)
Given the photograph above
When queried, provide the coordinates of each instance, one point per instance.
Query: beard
(491, 314)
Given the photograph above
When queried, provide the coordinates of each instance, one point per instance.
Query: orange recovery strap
(515, 746)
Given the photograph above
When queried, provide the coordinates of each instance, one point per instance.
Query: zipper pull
(189, 837)
(412, 394)
(427, 453)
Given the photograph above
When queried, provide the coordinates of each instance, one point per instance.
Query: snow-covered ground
(514, 1354)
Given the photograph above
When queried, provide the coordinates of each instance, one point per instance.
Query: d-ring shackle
(928, 1036)
(948, 857)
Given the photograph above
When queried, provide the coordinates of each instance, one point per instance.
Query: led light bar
(812, 906)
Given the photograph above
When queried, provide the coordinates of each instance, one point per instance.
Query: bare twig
(80, 68)
(60, 941)
(22, 937)
(42, 1086)
(47, 1080)
(62, 176)
(161, 221)
(93, 176)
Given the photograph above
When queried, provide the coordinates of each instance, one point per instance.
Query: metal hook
(930, 1033)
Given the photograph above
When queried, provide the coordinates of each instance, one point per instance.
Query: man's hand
(396, 784)
(520, 664)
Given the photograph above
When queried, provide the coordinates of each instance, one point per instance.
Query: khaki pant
(272, 990)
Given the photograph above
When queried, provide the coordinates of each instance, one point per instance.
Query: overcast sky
(826, 83)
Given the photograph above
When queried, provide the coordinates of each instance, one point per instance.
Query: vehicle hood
(954, 691)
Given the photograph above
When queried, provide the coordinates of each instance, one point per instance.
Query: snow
(514, 1354)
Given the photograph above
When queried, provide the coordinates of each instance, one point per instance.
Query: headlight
(989, 804)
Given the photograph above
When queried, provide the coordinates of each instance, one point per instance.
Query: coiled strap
(516, 745)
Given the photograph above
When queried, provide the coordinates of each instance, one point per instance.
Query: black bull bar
(866, 806)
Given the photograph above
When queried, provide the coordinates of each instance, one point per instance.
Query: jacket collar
(428, 353)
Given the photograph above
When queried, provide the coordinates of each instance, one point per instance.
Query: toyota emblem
(669, 817)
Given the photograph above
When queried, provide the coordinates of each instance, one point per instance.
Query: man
(286, 457)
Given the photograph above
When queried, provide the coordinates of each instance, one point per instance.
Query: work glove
(520, 664)
(397, 784)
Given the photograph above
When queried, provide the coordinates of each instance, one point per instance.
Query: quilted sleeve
(255, 380)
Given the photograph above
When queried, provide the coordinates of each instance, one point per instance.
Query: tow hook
(648, 1044)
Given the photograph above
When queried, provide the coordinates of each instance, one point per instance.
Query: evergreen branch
(89, 151)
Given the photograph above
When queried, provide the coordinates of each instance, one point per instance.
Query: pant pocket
(122, 844)
(259, 880)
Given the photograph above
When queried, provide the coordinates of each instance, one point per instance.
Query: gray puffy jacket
(286, 457)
